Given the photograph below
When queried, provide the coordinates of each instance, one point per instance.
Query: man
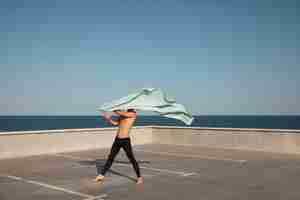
(125, 123)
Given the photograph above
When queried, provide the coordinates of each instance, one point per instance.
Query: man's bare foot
(99, 178)
(140, 180)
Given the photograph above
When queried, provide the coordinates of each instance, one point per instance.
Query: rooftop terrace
(177, 166)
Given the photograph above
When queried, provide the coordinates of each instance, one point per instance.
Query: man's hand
(108, 119)
(107, 116)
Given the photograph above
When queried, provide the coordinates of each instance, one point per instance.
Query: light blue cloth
(151, 99)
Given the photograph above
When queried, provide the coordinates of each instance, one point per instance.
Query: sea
(29, 123)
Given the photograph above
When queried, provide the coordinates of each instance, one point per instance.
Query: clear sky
(67, 57)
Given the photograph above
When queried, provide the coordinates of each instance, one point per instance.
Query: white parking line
(156, 169)
(193, 156)
(181, 173)
(100, 197)
(49, 186)
(189, 174)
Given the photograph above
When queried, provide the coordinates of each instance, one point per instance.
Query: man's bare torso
(125, 124)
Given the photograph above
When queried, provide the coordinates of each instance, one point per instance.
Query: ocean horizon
(53, 122)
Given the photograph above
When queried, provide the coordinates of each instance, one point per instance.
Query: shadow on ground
(99, 163)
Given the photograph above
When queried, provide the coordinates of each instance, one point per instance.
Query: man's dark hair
(130, 110)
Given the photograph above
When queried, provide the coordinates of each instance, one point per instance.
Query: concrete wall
(268, 140)
(18, 144)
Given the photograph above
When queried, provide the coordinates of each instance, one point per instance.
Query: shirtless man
(125, 122)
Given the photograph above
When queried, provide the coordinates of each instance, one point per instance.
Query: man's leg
(128, 149)
(113, 152)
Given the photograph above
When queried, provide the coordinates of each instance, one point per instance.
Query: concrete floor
(171, 172)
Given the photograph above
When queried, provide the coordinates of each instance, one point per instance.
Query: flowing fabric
(150, 99)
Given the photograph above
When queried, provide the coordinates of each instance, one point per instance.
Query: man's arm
(125, 114)
(109, 119)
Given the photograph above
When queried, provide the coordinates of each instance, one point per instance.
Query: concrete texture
(27, 143)
(267, 140)
(170, 171)
(20, 144)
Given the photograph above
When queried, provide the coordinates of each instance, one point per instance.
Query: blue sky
(67, 57)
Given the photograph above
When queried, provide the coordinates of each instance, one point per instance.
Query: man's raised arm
(125, 114)
(110, 120)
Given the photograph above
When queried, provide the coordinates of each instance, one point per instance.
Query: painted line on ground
(100, 197)
(53, 187)
(181, 173)
(157, 169)
(189, 174)
(193, 156)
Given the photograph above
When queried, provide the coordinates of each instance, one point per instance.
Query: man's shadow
(99, 163)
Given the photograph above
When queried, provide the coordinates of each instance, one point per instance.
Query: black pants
(126, 145)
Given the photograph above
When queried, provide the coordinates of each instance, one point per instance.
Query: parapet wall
(267, 140)
(20, 144)
(27, 143)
